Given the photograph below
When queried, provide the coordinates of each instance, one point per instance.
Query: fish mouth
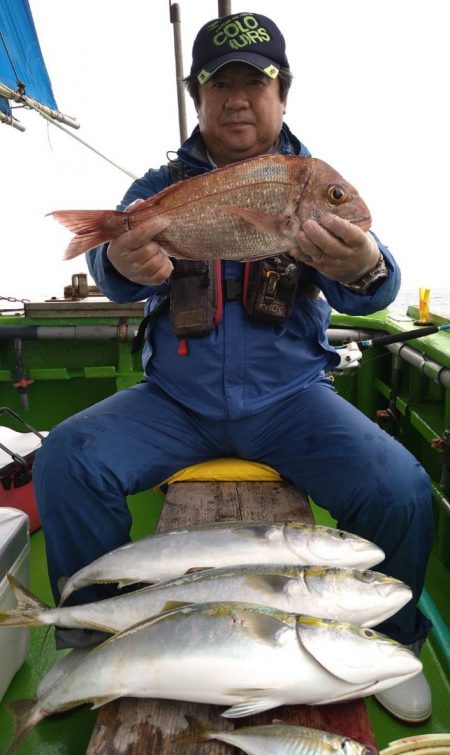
(364, 223)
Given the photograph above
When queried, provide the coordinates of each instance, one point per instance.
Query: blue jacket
(241, 366)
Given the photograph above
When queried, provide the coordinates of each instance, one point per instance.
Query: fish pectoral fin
(255, 701)
(285, 225)
(97, 702)
(170, 605)
(274, 584)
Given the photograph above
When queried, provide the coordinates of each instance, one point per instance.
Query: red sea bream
(248, 210)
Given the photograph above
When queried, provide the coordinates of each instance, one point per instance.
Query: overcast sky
(370, 96)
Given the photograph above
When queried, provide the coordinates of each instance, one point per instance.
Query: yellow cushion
(224, 470)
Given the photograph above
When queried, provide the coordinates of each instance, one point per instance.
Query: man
(244, 385)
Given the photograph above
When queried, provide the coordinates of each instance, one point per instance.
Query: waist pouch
(196, 301)
(269, 288)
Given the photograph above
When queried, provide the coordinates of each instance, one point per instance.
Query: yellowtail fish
(246, 657)
(172, 553)
(361, 597)
(277, 738)
(248, 210)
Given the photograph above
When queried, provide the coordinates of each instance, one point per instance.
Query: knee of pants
(411, 485)
(57, 449)
(401, 521)
(68, 458)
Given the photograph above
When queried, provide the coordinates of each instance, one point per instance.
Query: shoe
(64, 664)
(409, 701)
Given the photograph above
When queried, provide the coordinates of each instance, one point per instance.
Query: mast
(175, 20)
(224, 9)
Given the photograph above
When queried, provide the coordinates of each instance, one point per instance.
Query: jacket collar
(193, 153)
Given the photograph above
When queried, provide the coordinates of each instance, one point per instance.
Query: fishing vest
(198, 291)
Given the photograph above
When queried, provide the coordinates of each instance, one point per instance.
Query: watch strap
(367, 282)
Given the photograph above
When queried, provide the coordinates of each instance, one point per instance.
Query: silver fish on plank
(172, 553)
(361, 597)
(277, 738)
(248, 210)
(243, 656)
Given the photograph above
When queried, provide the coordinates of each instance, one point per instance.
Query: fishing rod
(408, 335)
(350, 352)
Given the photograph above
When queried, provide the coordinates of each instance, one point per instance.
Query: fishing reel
(350, 355)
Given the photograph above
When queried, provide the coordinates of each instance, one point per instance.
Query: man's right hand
(137, 256)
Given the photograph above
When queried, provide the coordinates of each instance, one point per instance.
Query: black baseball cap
(241, 37)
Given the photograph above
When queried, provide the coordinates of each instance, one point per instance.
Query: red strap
(219, 293)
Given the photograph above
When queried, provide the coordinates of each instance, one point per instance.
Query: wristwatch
(369, 281)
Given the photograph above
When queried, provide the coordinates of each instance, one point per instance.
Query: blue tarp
(21, 58)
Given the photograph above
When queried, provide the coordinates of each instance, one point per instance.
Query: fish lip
(364, 222)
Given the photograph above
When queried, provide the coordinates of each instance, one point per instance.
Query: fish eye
(369, 634)
(336, 194)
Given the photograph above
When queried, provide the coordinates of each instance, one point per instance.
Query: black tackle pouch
(270, 287)
(195, 296)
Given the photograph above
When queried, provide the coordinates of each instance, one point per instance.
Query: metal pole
(224, 7)
(11, 94)
(175, 19)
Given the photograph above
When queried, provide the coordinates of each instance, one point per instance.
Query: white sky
(370, 96)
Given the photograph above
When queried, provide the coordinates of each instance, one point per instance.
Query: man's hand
(137, 257)
(336, 248)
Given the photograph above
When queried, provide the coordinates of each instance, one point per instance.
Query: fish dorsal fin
(195, 569)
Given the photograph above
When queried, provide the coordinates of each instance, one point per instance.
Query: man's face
(239, 113)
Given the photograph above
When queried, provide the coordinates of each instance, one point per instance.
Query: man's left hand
(336, 248)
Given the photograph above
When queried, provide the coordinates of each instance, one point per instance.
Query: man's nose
(237, 98)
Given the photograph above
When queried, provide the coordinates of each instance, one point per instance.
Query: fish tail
(91, 228)
(26, 716)
(28, 609)
(197, 731)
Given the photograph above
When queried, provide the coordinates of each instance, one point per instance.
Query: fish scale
(247, 210)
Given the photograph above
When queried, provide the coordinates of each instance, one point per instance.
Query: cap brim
(263, 64)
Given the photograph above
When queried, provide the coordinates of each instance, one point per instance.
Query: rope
(85, 144)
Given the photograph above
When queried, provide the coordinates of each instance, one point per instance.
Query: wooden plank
(205, 502)
(143, 727)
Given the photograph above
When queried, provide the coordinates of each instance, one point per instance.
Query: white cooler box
(14, 558)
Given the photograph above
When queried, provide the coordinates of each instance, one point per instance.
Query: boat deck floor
(71, 732)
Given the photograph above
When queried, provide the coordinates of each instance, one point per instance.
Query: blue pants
(139, 436)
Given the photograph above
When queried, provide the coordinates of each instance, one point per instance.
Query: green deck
(69, 375)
